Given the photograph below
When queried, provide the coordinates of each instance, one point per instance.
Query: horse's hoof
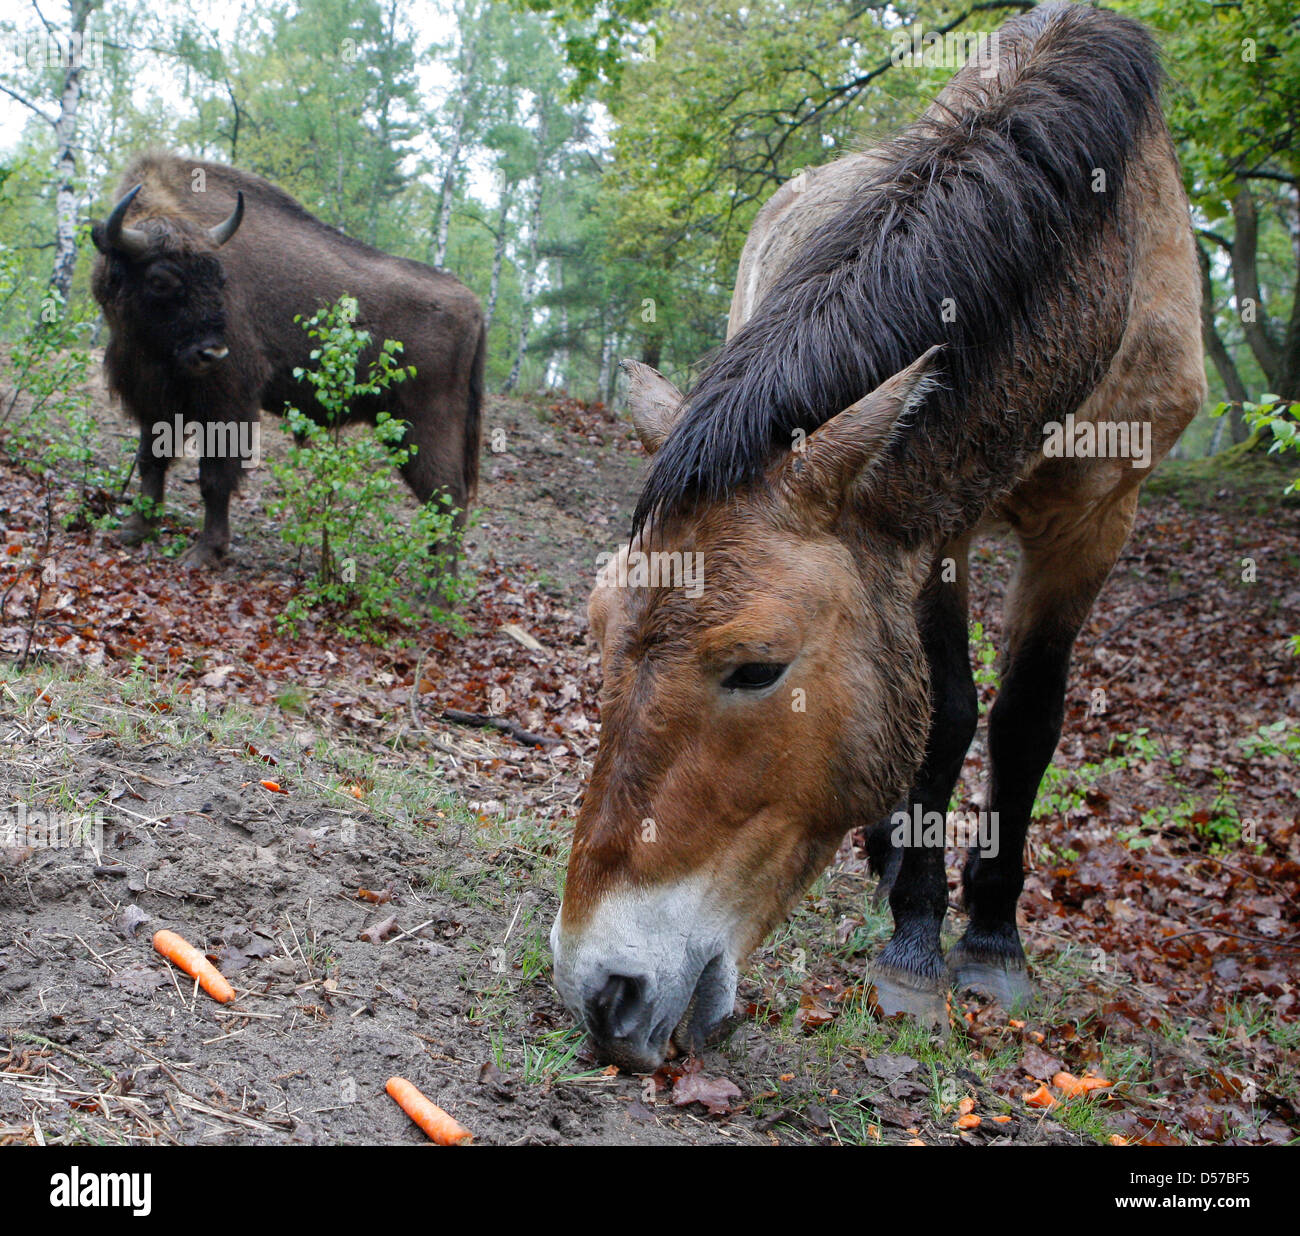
(895, 992)
(1004, 980)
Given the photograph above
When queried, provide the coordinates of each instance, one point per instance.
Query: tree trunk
(498, 257)
(562, 352)
(451, 171)
(65, 134)
(1245, 284)
(529, 289)
(611, 381)
(604, 375)
(1217, 351)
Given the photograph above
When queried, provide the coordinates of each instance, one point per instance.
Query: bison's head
(162, 282)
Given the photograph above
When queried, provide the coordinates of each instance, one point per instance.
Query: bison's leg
(139, 525)
(911, 975)
(1056, 584)
(218, 478)
(437, 467)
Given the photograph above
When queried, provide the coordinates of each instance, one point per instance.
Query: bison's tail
(474, 418)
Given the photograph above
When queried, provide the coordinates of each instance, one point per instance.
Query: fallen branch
(1142, 609)
(504, 724)
(39, 1040)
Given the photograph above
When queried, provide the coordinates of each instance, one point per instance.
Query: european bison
(202, 270)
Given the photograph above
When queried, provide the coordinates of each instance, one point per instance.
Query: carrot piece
(1069, 1085)
(968, 1121)
(1001, 1119)
(1042, 1097)
(428, 1115)
(274, 787)
(1072, 1086)
(180, 952)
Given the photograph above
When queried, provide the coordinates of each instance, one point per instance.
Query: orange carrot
(1072, 1086)
(1001, 1119)
(1042, 1097)
(182, 953)
(274, 787)
(429, 1116)
(1069, 1085)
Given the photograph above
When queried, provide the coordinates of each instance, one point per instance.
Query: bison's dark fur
(202, 326)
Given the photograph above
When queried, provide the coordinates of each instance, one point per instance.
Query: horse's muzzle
(638, 984)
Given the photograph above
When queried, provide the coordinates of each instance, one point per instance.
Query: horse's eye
(753, 676)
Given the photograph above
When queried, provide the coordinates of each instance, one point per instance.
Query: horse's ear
(655, 404)
(838, 452)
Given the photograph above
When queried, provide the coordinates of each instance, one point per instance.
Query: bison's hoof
(1003, 979)
(896, 991)
(135, 528)
(201, 557)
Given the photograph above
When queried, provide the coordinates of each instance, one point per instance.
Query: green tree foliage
(591, 167)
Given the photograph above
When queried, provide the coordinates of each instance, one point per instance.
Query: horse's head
(764, 691)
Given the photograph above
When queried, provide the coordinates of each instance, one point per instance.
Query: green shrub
(340, 493)
(46, 422)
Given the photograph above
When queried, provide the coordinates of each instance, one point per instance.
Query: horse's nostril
(613, 1009)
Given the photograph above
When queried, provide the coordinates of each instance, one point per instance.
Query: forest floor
(378, 883)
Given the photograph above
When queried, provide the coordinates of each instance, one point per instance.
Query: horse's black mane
(981, 207)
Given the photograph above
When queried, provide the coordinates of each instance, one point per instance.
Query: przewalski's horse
(202, 270)
(1026, 246)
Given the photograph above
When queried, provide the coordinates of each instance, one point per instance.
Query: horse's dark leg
(954, 705)
(153, 481)
(1054, 590)
(910, 974)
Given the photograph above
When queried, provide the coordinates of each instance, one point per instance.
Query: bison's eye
(753, 676)
(162, 284)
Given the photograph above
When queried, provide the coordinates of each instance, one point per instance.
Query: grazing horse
(990, 322)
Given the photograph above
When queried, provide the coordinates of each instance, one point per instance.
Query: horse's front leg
(911, 976)
(1052, 595)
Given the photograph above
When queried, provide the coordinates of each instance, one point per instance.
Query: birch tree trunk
(65, 164)
(498, 259)
(562, 352)
(451, 168)
(604, 376)
(529, 289)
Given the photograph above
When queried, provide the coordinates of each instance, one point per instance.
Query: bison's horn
(130, 240)
(228, 227)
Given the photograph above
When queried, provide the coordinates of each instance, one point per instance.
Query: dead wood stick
(39, 1040)
(1142, 609)
(504, 724)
